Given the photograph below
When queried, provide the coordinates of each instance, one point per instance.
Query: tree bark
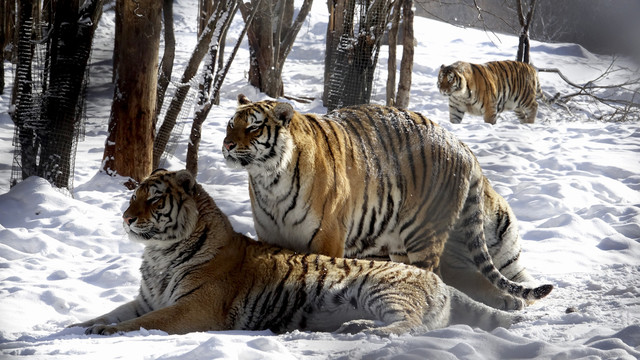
(166, 65)
(129, 148)
(182, 91)
(22, 92)
(525, 22)
(271, 36)
(3, 31)
(334, 30)
(209, 86)
(393, 42)
(406, 66)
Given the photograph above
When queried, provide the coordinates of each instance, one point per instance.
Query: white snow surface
(573, 183)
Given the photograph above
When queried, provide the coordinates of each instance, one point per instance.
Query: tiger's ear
(243, 100)
(283, 113)
(186, 181)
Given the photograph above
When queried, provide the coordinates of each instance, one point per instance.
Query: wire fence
(39, 146)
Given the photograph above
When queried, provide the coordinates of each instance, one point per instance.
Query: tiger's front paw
(356, 326)
(87, 323)
(102, 329)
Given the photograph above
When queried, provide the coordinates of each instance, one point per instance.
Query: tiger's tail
(473, 219)
(465, 310)
(540, 95)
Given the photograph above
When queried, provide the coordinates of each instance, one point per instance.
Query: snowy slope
(574, 184)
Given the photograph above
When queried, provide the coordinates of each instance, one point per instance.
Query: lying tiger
(370, 181)
(200, 275)
(489, 89)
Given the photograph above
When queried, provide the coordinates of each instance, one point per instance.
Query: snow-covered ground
(574, 184)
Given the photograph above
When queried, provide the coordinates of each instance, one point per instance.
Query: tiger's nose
(228, 144)
(129, 220)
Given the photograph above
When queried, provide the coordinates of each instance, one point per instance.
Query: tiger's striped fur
(489, 89)
(200, 275)
(370, 180)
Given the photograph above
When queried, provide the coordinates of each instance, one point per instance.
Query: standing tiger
(489, 89)
(370, 180)
(200, 275)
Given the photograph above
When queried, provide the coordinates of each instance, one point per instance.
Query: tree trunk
(22, 90)
(224, 13)
(166, 65)
(224, 67)
(406, 66)
(205, 10)
(391, 64)
(353, 63)
(71, 37)
(116, 44)
(3, 31)
(334, 30)
(261, 45)
(182, 91)
(129, 148)
(271, 36)
(525, 22)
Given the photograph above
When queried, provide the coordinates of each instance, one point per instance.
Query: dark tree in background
(271, 36)
(129, 147)
(54, 45)
(525, 22)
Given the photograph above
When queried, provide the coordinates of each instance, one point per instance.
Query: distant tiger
(369, 181)
(489, 89)
(200, 275)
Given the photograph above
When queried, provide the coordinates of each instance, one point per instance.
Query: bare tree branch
(620, 109)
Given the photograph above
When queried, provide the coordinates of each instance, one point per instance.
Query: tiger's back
(375, 181)
(489, 89)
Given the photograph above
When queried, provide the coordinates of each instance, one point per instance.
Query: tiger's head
(162, 210)
(258, 137)
(451, 79)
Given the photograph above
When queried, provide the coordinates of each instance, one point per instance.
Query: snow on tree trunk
(223, 13)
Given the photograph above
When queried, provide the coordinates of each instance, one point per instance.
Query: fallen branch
(621, 109)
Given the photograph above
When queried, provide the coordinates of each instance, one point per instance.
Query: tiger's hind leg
(425, 252)
(527, 115)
